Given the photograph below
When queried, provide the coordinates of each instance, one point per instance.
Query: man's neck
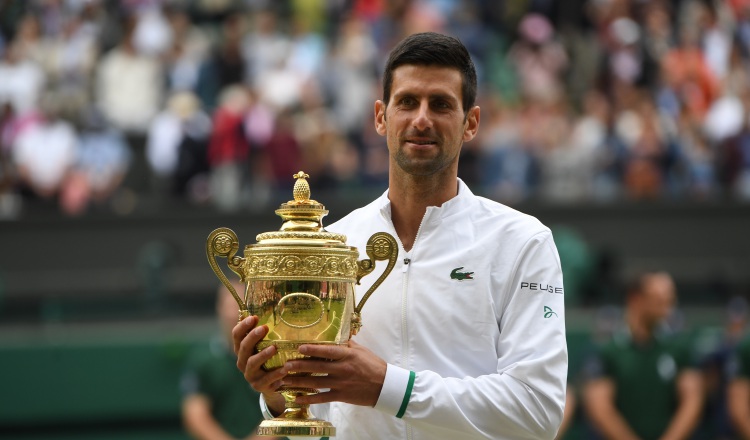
(410, 196)
(639, 331)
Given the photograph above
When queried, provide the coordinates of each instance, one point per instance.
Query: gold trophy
(300, 283)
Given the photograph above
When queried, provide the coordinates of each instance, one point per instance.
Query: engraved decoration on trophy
(300, 281)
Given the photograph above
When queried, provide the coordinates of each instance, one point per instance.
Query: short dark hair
(636, 284)
(433, 49)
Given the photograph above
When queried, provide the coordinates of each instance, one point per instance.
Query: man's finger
(319, 366)
(261, 380)
(241, 330)
(324, 351)
(256, 361)
(317, 382)
(324, 397)
(247, 345)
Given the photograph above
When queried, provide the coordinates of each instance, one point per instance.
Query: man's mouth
(421, 141)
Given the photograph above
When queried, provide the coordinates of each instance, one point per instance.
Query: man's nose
(422, 119)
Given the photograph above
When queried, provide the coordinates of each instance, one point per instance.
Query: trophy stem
(293, 409)
(296, 419)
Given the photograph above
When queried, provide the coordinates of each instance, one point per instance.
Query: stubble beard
(422, 166)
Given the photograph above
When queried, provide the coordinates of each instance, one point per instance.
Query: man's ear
(472, 124)
(380, 117)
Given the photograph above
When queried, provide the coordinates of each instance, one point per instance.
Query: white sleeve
(526, 397)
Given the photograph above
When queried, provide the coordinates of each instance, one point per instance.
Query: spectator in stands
(648, 158)
(129, 85)
(9, 200)
(739, 390)
(734, 157)
(177, 143)
(103, 159)
(642, 384)
(540, 60)
(45, 152)
(28, 40)
(217, 403)
(282, 152)
(229, 148)
(712, 18)
(508, 168)
(22, 81)
(350, 75)
(189, 51)
(686, 70)
(567, 164)
(264, 46)
(152, 35)
(224, 66)
(69, 61)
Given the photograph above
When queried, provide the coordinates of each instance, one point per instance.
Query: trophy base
(280, 427)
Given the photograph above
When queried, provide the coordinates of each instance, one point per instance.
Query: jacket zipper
(404, 297)
(405, 288)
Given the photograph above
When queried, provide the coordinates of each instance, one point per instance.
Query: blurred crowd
(221, 101)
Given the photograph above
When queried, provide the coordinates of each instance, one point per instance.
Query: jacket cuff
(264, 409)
(396, 392)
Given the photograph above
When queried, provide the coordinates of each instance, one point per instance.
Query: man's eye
(408, 101)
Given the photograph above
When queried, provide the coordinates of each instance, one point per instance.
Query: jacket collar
(455, 205)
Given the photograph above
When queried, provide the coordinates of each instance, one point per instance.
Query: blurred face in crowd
(424, 122)
(656, 299)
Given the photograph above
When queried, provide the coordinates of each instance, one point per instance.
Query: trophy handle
(223, 242)
(381, 246)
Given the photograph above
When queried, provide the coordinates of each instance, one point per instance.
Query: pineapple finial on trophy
(301, 189)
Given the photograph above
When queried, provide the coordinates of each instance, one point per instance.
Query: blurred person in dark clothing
(739, 389)
(224, 66)
(719, 368)
(217, 403)
(642, 384)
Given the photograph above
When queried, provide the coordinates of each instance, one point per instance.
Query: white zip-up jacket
(471, 322)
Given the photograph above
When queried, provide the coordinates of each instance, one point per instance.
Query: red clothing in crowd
(228, 142)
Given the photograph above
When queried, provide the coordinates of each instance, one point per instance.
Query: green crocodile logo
(460, 276)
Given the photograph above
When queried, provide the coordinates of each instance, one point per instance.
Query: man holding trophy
(465, 338)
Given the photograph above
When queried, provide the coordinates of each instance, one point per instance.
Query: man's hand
(353, 374)
(246, 336)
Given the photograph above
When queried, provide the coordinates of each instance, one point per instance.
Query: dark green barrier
(99, 387)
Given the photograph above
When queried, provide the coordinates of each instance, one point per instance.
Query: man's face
(424, 122)
(658, 298)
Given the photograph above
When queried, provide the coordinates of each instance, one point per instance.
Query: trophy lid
(303, 220)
